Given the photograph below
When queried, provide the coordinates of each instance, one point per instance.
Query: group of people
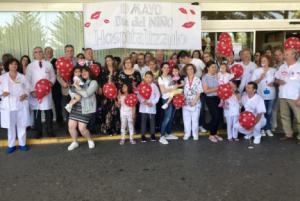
(269, 84)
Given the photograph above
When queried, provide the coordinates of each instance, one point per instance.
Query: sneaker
(256, 140)
(91, 144)
(73, 146)
(269, 133)
(163, 140)
(144, 139)
(202, 130)
(68, 108)
(23, 148)
(171, 137)
(186, 137)
(165, 106)
(132, 141)
(263, 133)
(122, 142)
(196, 138)
(153, 138)
(247, 137)
(11, 150)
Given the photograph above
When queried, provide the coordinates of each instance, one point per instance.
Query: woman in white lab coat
(15, 116)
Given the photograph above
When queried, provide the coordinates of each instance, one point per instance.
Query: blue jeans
(268, 115)
(166, 125)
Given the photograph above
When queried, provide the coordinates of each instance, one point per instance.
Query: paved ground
(189, 171)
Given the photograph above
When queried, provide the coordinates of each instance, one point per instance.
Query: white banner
(142, 25)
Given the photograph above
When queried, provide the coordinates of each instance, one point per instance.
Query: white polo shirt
(248, 71)
(255, 104)
(291, 75)
(265, 91)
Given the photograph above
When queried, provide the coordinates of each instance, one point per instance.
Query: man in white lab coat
(37, 70)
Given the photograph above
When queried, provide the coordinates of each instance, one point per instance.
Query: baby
(75, 98)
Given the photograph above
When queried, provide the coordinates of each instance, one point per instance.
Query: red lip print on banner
(183, 10)
(188, 25)
(95, 15)
(193, 12)
(106, 21)
(87, 24)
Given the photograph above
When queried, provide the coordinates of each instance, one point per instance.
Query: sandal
(212, 139)
(219, 138)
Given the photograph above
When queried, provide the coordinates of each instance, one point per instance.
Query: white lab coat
(12, 103)
(33, 74)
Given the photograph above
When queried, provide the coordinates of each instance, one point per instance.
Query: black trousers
(215, 112)
(202, 110)
(144, 118)
(57, 99)
(48, 124)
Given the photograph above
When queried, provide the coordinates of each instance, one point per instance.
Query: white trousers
(255, 132)
(15, 129)
(191, 122)
(127, 121)
(232, 132)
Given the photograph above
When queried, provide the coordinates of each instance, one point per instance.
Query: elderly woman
(83, 110)
(210, 88)
(191, 109)
(14, 90)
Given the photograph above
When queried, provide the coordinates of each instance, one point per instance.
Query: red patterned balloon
(224, 91)
(64, 67)
(178, 101)
(224, 37)
(171, 65)
(237, 70)
(292, 43)
(247, 120)
(131, 100)
(42, 88)
(110, 91)
(95, 69)
(224, 46)
(145, 90)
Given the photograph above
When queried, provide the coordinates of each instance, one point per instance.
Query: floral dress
(108, 112)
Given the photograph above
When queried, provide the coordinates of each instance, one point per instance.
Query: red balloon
(42, 88)
(292, 43)
(224, 91)
(237, 70)
(224, 37)
(145, 90)
(95, 69)
(178, 101)
(131, 100)
(247, 120)
(110, 91)
(64, 67)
